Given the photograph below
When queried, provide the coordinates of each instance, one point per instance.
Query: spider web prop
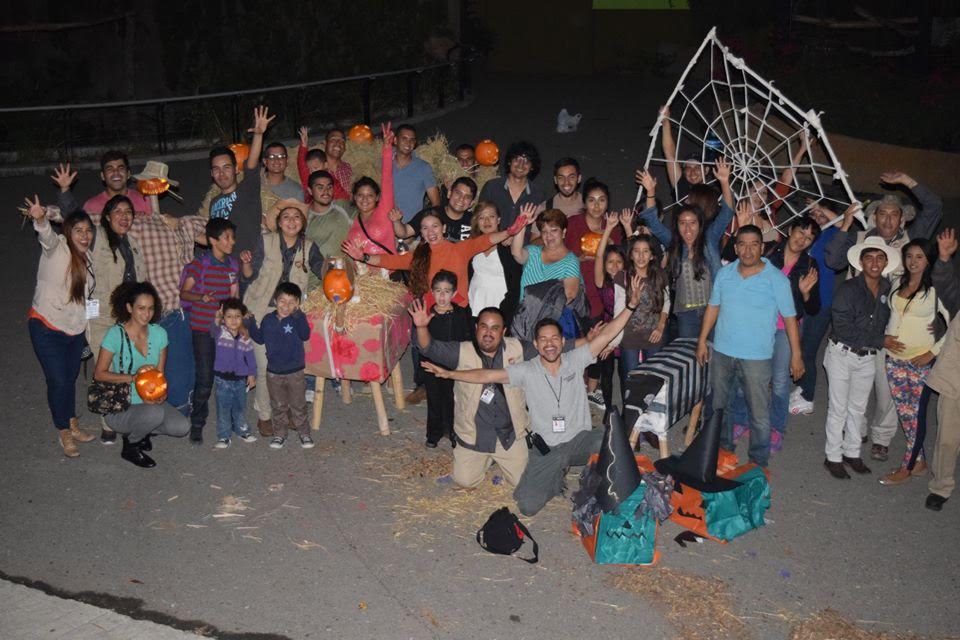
(721, 107)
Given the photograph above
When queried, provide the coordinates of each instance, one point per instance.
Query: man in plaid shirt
(167, 245)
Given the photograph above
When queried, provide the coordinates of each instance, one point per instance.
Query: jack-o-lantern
(153, 186)
(337, 286)
(589, 243)
(360, 133)
(241, 150)
(151, 385)
(487, 153)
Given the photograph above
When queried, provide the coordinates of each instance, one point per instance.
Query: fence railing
(164, 125)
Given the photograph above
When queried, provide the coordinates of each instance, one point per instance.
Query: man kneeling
(560, 426)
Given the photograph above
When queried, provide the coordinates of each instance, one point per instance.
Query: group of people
(526, 304)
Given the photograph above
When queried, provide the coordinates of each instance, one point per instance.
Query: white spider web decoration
(722, 107)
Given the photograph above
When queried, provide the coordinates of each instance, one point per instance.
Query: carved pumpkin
(337, 286)
(153, 186)
(589, 243)
(360, 133)
(151, 385)
(487, 153)
(241, 150)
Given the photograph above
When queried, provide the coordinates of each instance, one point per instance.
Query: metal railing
(162, 125)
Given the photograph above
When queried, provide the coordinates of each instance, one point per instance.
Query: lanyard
(556, 394)
(93, 277)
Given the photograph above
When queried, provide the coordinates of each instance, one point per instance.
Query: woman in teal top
(136, 342)
(552, 261)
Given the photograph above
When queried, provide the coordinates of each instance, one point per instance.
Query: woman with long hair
(58, 315)
(136, 343)
(644, 333)
(372, 228)
(494, 274)
(912, 348)
(693, 249)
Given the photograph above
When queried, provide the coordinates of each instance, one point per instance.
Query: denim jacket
(712, 236)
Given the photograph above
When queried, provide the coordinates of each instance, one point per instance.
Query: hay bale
(484, 175)
(372, 295)
(364, 158)
(436, 152)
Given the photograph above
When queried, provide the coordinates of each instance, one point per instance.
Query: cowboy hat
(155, 169)
(273, 213)
(874, 242)
(908, 211)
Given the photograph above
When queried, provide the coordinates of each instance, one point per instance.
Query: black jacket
(804, 264)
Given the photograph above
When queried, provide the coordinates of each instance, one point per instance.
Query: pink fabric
(786, 271)
(379, 226)
(94, 205)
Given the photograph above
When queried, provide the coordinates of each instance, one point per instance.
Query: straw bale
(364, 158)
(372, 295)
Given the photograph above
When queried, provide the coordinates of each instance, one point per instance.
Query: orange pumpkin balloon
(337, 286)
(487, 153)
(151, 385)
(360, 133)
(589, 243)
(153, 186)
(241, 150)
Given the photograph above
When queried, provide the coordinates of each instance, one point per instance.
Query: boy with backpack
(204, 284)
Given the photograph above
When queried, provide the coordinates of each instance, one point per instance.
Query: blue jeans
(231, 407)
(688, 322)
(59, 356)
(630, 360)
(204, 350)
(780, 382)
(754, 378)
(179, 368)
(812, 331)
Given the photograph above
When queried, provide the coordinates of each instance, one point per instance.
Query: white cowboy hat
(874, 242)
(908, 211)
(155, 169)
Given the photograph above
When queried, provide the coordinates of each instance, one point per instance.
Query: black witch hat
(697, 466)
(616, 466)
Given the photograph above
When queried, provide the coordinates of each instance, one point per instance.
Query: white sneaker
(249, 438)
(222, 443)
(800, 406)
(306, 441)
(277, 442)
(596, 399)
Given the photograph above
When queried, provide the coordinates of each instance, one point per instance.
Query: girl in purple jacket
(234, 371)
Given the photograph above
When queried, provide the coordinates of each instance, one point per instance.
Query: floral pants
(906, 384)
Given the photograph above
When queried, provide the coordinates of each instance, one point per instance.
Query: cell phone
(536, 440)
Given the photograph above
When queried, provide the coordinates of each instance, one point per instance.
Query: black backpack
(503, 533)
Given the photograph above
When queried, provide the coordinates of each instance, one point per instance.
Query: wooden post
(345, 391)
(664, 446)
(317, 403)
(154, 204)
(380, 407)
(396, 380)
(692, 425)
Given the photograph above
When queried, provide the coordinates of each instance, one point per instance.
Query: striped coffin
(674, 366)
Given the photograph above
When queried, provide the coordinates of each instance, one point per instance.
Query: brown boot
(265, 427)
(78, 435)
(69, 446)
(417, 396)
(899, 476)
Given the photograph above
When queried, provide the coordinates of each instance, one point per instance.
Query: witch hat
(697, 466)
(616, 465)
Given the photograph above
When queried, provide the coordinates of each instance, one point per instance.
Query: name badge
(93, 309)
(487, 396)
(559, 424)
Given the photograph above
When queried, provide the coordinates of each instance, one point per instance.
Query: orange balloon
(360, 133)
(241, 150)
(487, 153)
(337, 286)
(151, 385)
(589, 243)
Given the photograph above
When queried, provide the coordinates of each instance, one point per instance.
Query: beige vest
(109, 275)
(260, 292)
(466, 396)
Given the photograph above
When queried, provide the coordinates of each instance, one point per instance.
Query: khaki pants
(947, 446)
(470, 466)
(261, 397)
(288, 402)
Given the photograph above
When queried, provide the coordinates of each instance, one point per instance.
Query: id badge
(487, 396)
(559, 424)
(93, 309)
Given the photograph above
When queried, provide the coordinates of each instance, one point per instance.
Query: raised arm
(261, 120)
(528, 212)
(615, 326)
(386, 172)
(669, 146)
(302, 169)
(475, 376)
(835, 253)
(944, 274)
(931, 206)
(598, 262)
(45, 234)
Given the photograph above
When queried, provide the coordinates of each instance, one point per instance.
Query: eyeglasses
(276, 156)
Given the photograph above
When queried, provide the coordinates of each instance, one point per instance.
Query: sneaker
(306, 442)
(800, 406)
(222, 443)
(595, 398)
(248, 437)
(277, 442)
(108, 437)
(196, 435)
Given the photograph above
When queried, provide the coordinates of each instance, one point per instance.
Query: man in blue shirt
(412, 177)
(747, 295)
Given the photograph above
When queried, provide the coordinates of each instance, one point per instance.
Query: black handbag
(503, 533)
(105, 398)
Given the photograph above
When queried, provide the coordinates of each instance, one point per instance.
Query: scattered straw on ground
(699, 607)
(830, 625)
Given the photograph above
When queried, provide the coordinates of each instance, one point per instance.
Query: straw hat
(273, 213)
(155, 169)
(908, 211)
(874, 242)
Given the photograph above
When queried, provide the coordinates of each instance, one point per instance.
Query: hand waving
(809, 281)
(722, 170)
(304, 132)
(421, 316)
(947, 244)
(64, 177)
(261, 120)
(34, 209)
